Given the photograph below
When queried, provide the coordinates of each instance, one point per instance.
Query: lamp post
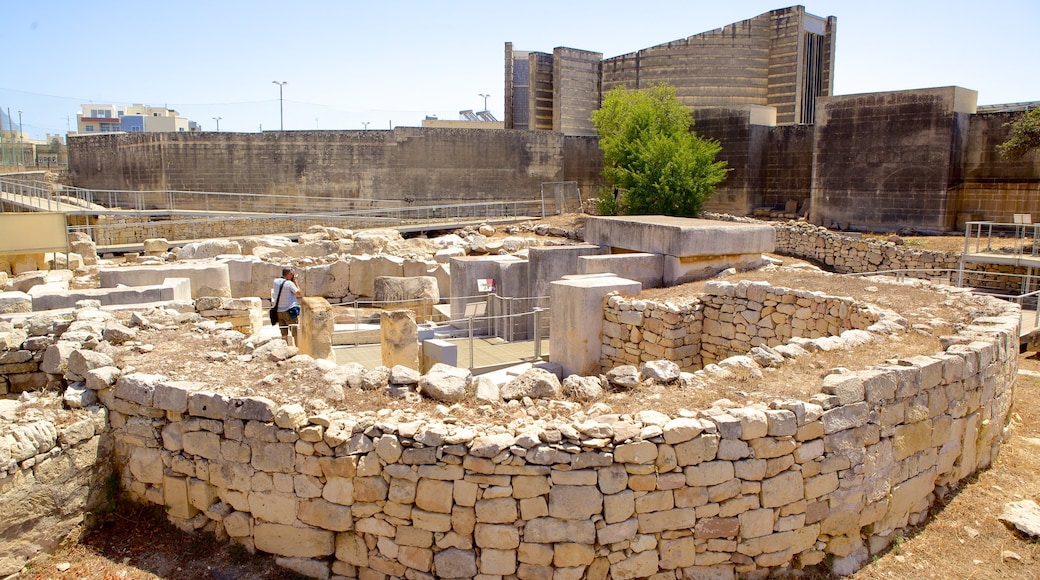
(21, 140)
(366, 124)
(217, 119)
(281, 106)
(485, 99)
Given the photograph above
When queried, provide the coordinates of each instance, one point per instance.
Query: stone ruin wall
(856, 255)
(721, 492)
(727, 320)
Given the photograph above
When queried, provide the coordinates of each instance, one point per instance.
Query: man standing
(284, 294)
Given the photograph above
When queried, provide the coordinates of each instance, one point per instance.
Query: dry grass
(964, 539)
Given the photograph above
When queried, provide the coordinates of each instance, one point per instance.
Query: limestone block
(496, 511)
(351, 548)
(253, 408)
(170, 395)
(673, 519)
(399, 337)
(536, 383)
(56, 357)
(445, 383)
(577, 320)
(81, 361)
(316, 325)
(201, 443)
(155, 246)
(365, 269)
(137, 387)
(434, 495)
(455, 563)
(552, 530)
(238, 524)
(418, 293)
(175, 496)
(326, 280)
(273, 507)
(782, 489)
(146, 465)
(293, 541)
(642, 452)
(497, 536)
(641, 565)
(574, 502)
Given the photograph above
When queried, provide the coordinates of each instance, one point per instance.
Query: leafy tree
(1024, 137)
(653, 160)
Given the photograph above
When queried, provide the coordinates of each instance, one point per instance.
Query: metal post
(471, 343)
(537, 333)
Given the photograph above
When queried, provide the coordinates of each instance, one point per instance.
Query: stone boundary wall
(853, 255)
(727, 320)
(718, 492)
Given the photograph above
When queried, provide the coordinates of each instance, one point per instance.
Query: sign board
(32, 233)
(485, 284)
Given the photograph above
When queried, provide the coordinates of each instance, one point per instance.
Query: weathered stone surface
(1023, 515)
(293, 541)
(535, 383)
(455, 563)
(582, 388)
(446, 383)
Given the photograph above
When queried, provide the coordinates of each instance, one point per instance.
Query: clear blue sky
(395, 61)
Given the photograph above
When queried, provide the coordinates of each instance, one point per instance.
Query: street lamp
(366, 124)
(21, 139)
(485, 99)
(217, 119)
(281, 107)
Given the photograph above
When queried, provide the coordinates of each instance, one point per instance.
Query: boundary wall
(719, 493)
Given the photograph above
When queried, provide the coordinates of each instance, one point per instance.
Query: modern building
(95, 119)
(468, 119)
(782, 59)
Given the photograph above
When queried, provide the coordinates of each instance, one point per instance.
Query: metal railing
(473, 327)
(186, 216)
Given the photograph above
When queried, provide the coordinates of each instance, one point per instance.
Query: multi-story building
(133, 119)
(783, 59)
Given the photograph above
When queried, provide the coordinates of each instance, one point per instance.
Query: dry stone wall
(727, 320)
(855, 255)
(565, 492)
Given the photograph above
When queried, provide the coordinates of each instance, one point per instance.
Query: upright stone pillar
(317, 322)
(399, 337)
(576, 327)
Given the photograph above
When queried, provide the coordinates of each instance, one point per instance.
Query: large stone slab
(680, 237)
(203, 275)
(647, 269)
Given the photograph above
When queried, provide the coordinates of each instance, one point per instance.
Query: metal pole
(471, 343)
(281, 104)
(537, 333)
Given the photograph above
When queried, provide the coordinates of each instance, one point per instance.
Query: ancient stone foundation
(719, 492)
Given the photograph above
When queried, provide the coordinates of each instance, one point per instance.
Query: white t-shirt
(287, 299)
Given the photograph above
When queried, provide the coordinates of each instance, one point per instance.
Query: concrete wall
(886, 160)
(790, 166)
(744, 149)
(411, 164)
(994, 188)
(752, 62)
(576, 78)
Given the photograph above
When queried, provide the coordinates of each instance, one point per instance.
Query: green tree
(1024, 137)
(654, 162)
